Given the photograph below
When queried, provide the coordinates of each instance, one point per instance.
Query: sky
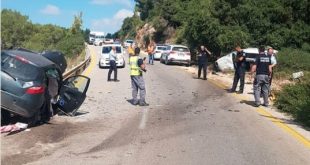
(98, 15)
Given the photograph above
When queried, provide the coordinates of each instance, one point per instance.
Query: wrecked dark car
(32, 87)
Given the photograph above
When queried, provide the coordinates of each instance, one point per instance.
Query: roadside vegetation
(18, 31)
(221, 24)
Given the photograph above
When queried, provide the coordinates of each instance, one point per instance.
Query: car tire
(42, 115)
(100, 66)
(5, 117)
(166, 61)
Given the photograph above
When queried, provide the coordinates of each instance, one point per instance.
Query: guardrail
(79, 68)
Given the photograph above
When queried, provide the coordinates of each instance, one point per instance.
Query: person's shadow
(251, 103)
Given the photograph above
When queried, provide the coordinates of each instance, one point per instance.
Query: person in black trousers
(113, 67)
(240, 68)
(203, 61)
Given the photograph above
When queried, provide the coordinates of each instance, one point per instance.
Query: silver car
(176, 54)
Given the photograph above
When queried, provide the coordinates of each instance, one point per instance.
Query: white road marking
(143, 119)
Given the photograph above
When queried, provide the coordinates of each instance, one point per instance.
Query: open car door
(73, 93)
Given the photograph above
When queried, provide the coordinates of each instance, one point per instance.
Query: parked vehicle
(96, 38)
(226, 62)
(176, 54)
(127, 43)
(108, 41)
(104, 61)
(159, 50)
(30, 83)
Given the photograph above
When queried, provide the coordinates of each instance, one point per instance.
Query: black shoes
(256, 105)
(240, 92)
(144, 104)
(231, 91)
(113, 80)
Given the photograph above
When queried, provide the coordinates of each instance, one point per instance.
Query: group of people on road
(263, 67)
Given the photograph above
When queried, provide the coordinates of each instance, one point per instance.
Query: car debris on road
(13, 128)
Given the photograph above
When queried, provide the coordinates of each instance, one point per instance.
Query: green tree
(77, 23)
(109, 35)
(15, 29)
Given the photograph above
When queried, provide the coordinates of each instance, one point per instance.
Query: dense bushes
(18, 31)
(221, 24)
(292, 60)
(294, 99)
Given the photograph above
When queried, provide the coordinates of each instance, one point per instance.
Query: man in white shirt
(113, 67)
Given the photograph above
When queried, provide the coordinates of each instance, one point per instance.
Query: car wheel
(42, 115)
(100, 66)
(166, 61)
(5, 117)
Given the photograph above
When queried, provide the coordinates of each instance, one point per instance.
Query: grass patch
(74, 61)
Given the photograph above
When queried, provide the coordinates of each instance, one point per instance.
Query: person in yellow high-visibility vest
(137, 66)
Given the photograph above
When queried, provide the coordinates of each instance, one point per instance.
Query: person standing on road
(203, 61)
(263, 68)
(113, 67)
(131, 51)
(273, 59)
(151, 51)
(240, 67)
(137, 82)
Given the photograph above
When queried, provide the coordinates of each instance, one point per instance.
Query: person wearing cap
(113, 67)
(137, 66)
(263, 69)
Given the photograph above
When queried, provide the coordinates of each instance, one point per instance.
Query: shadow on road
(251, 103)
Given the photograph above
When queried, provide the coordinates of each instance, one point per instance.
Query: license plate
(181, 54)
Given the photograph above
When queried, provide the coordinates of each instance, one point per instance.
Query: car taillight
(35, 90)
(22, 59)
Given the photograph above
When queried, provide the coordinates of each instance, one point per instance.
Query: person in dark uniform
(203, 61)
(263, 69)
(240, 67)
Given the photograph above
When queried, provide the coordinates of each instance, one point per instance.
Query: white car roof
(109, 45)
(250, 50)
(178, 46)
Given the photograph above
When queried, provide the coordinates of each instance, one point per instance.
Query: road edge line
(278, 122)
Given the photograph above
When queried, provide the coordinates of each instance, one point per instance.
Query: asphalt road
(189, 121)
